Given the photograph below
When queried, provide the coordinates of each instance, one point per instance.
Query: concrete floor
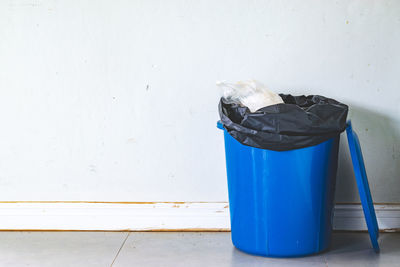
(177, 249)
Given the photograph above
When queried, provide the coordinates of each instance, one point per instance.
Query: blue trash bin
(281, 203)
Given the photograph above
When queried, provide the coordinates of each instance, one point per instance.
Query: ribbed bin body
(281, 203)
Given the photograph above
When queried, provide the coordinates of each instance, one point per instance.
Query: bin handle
(220, 126)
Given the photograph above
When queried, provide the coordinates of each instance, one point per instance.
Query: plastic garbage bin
(281, 202)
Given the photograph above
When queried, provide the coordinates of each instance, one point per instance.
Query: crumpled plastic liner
(302, 121)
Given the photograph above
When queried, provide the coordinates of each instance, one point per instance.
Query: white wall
(115, 100)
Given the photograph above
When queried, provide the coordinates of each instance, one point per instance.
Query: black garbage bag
(301, 121)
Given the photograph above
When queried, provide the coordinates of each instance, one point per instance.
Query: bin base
(280, 255)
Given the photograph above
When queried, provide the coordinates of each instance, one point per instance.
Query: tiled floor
(177, 249)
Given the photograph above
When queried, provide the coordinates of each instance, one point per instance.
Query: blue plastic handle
(219, 125)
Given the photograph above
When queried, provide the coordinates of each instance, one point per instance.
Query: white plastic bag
(251, 94)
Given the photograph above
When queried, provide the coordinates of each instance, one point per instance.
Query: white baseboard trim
(114, 216)
(351, 217)
(158, 216)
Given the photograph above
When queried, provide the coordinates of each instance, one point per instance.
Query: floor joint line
(119, 250)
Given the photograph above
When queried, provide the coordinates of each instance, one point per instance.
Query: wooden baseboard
(114, 216)
(171, 216)
(351, 217)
